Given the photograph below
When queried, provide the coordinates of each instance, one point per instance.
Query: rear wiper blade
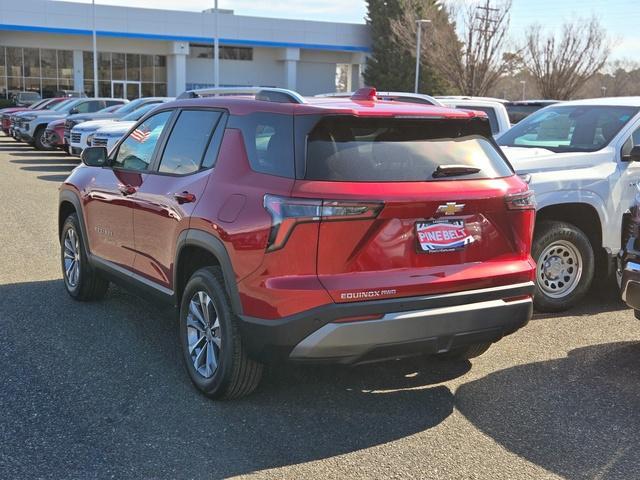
(453, 171)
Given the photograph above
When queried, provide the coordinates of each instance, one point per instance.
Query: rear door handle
(127, 190)
(184, 197)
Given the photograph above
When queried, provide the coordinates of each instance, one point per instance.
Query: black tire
(548, 233)
(37, 139)
(466, 353)
(89, 285)
(236, 375)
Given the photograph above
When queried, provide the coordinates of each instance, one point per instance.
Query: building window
(149, 70)
(226, 52)
(42, 70)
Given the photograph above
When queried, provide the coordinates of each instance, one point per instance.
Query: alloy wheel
(71, 258)
(203, 334)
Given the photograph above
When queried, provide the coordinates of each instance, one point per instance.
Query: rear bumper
(408, 326)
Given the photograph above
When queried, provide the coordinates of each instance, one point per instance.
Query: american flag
(140, 135)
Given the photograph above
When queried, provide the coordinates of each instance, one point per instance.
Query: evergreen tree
(391, 66)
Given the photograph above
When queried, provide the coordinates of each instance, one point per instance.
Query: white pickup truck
(580, 160)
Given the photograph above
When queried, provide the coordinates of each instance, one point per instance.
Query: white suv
(579, 158)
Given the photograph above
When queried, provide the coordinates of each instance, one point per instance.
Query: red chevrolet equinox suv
(328, 229)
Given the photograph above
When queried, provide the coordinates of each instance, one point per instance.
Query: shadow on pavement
(100, 387)
(49, 168)
(47, 161)
(44, 154)
(603, 297)
(53, 178)
(578, 416)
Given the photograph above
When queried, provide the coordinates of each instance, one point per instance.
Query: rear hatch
(414, 206)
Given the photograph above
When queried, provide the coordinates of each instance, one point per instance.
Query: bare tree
(472, 56)
(562, 65)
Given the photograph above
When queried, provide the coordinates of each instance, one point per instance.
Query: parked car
(15, 118)
(53, 136)
(45, 104)
(331, 229)
(33, 124)
(628, 271)
(78, 128)
(24, 99)
(495, 110)
(577, 157)
(522, 109)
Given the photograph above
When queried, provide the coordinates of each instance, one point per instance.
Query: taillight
(287, 212)
(521, 201)
(522, 207)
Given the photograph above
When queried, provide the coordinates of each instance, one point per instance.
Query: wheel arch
(582, 215)
(196, 249)
(70, 203)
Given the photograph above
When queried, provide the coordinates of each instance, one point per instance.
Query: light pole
(524, 86)
(216, 49)
(95, 51)
(418, 45)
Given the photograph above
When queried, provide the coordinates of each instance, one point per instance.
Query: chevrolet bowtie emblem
(450, 208)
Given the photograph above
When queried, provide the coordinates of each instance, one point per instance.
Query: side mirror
(95, 156)
(633, 155)
(73, 111)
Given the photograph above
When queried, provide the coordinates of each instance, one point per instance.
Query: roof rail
(267, 94)
(391, 96)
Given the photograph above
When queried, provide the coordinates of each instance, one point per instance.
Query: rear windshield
(352, 149)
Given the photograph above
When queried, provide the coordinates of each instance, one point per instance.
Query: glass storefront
(46, 71)
(50, 71)
(127, 75)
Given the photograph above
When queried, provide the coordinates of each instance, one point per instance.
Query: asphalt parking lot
(99, 391)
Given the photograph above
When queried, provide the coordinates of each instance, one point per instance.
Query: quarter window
(136, 152)
(188, 141)
(268, 139)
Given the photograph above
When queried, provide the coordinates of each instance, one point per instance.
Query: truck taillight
(287, 212)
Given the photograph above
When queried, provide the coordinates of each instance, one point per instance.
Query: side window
(136, 152)
(269, 141)
(111, 103)
(188, 141)
(83, 107)
(632, 141)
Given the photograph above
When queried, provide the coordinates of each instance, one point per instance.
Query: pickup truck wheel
(212, 346)
(38, 139)
(81, 281)
(564, 266)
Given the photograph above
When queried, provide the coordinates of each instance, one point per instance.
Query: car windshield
(137, 114)
(62, 106)
(132, 106)
(570, 128)
(39, 103)
(29, 96)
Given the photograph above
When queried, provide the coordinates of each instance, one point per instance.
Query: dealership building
(46, 46)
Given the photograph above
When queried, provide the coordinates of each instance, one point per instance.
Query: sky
(621, 18)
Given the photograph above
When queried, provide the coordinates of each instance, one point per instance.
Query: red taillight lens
(286, 213)
(521, 201)
(522, 207)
